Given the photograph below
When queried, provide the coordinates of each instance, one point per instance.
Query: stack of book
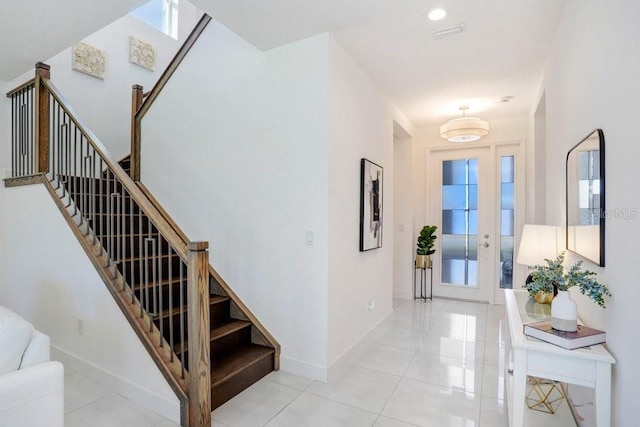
(583, 337)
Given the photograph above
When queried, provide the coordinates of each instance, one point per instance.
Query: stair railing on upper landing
(141, 102)
(50, 144)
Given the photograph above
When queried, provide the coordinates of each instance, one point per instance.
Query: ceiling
(35, 30)
(502, 52)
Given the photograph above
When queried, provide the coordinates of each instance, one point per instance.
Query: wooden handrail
(151, 96)
(173, 65)
(179, 245)
(21, 87)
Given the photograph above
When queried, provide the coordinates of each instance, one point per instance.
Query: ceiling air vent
(449, 32)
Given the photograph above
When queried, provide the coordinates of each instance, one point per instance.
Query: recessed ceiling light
(436, 14)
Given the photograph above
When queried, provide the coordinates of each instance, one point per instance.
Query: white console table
(590, 366)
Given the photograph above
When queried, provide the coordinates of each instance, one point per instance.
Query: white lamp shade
(537, 243)
(464, 129)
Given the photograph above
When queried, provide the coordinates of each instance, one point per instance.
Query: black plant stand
(423, 282)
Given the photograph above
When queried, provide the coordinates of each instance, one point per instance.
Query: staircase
(205, 341)
(236, 362)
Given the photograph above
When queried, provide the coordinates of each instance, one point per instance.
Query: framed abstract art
(370, 205)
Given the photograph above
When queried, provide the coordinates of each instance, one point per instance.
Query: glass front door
(474, 206)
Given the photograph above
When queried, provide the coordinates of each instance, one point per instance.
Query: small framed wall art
(370, 205)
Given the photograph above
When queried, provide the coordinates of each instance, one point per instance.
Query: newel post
(198, 337)
(136, 102)
(43, 71)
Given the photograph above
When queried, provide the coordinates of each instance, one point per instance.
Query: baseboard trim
(303, 369)
(321, 373)
(148, 399)
(342, 363)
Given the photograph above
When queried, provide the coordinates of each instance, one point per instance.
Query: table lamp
(537, 243)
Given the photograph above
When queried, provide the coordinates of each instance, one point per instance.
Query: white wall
(105, 105)
(5, 166)
(272, 145)
(361, 121)
(592, 82)
(236, 150)
(404, 245)
(537, 150)
(47, 279)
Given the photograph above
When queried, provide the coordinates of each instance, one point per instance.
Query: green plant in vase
(424, 249)
(543, 281)
(546, 277)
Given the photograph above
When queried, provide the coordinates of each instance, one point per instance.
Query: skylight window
(161, 15)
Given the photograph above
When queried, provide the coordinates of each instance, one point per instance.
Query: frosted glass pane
(454, 246)
(506, 222)
(473, 222)
(473, 196)
(454, 172)
(473, 247)
(460, 272)
(453, 221)
(506, 262)
(454, 197)
(473, 171)
(507, 169)
(458, 221)
(506, 197)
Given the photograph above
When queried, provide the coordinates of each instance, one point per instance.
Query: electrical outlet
(80, 327)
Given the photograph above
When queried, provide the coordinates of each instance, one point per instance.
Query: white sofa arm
(33, 397)
(38, 351)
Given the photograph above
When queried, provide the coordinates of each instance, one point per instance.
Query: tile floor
(430, 364)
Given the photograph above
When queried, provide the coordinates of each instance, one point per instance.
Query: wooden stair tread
(143, 235)
(164, 282)
(215, 299)
(236, 361)
(142, 257)
(229, 327)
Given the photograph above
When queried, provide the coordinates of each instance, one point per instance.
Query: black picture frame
(585, 207)
(371, 205)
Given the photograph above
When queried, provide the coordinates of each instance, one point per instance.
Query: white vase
(564, 312)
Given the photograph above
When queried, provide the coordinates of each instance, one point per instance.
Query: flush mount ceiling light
(436, 14)
(464, 129)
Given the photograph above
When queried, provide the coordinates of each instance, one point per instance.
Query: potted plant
(424, 248)
(563, 308)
